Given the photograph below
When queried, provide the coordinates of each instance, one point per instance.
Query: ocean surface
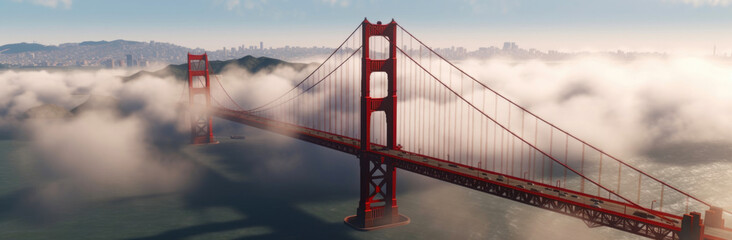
(271, 187)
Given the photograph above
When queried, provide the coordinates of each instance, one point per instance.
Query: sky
(684, 26)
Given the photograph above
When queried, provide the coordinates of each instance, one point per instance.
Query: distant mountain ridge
(118, 41)
(250, 63)
(110, 54)
(25, 47)
(122, 53)
(14, 48)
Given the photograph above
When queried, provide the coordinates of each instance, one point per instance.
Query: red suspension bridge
(409, 108)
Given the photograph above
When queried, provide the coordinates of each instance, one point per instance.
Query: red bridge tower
(377, 207)
(199, 99)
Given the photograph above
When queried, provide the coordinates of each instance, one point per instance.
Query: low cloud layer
(117, 145)
(627, 108)
(253, 90)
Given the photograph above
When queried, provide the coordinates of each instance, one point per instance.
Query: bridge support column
(691, 227)
(199, 100)
(377, 207)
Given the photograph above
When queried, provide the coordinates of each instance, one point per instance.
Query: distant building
(129, 60)
(261, 45)
(109, 63)
(510, 46)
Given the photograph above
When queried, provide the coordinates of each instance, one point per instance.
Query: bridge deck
(595, 211)
(718, 233)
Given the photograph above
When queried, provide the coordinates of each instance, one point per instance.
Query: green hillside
(252, 64)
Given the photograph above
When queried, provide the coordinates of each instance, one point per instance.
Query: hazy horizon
(691, 27)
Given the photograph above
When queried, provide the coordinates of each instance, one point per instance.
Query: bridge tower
(377, 207)
(199, 99)
(691, 227)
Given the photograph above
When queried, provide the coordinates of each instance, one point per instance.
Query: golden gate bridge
(406, 107)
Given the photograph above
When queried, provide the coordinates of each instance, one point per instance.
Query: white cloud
(231, 4)
(239, 5)
(50, 3)
(646, 102)
(699, 3)
(342, 3)
(249, 4)
(98, 149)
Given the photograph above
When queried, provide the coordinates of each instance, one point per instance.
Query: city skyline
(683, 26)
(122, 53)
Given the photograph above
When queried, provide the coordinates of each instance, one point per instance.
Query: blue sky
(574, 25)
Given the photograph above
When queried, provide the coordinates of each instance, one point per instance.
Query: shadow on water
(267, 196)
(689, 153)
(18, 204)
(274, 187)
(264, 185)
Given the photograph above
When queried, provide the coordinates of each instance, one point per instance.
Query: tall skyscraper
(129, 60)
(261, 45)
(510, 46)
